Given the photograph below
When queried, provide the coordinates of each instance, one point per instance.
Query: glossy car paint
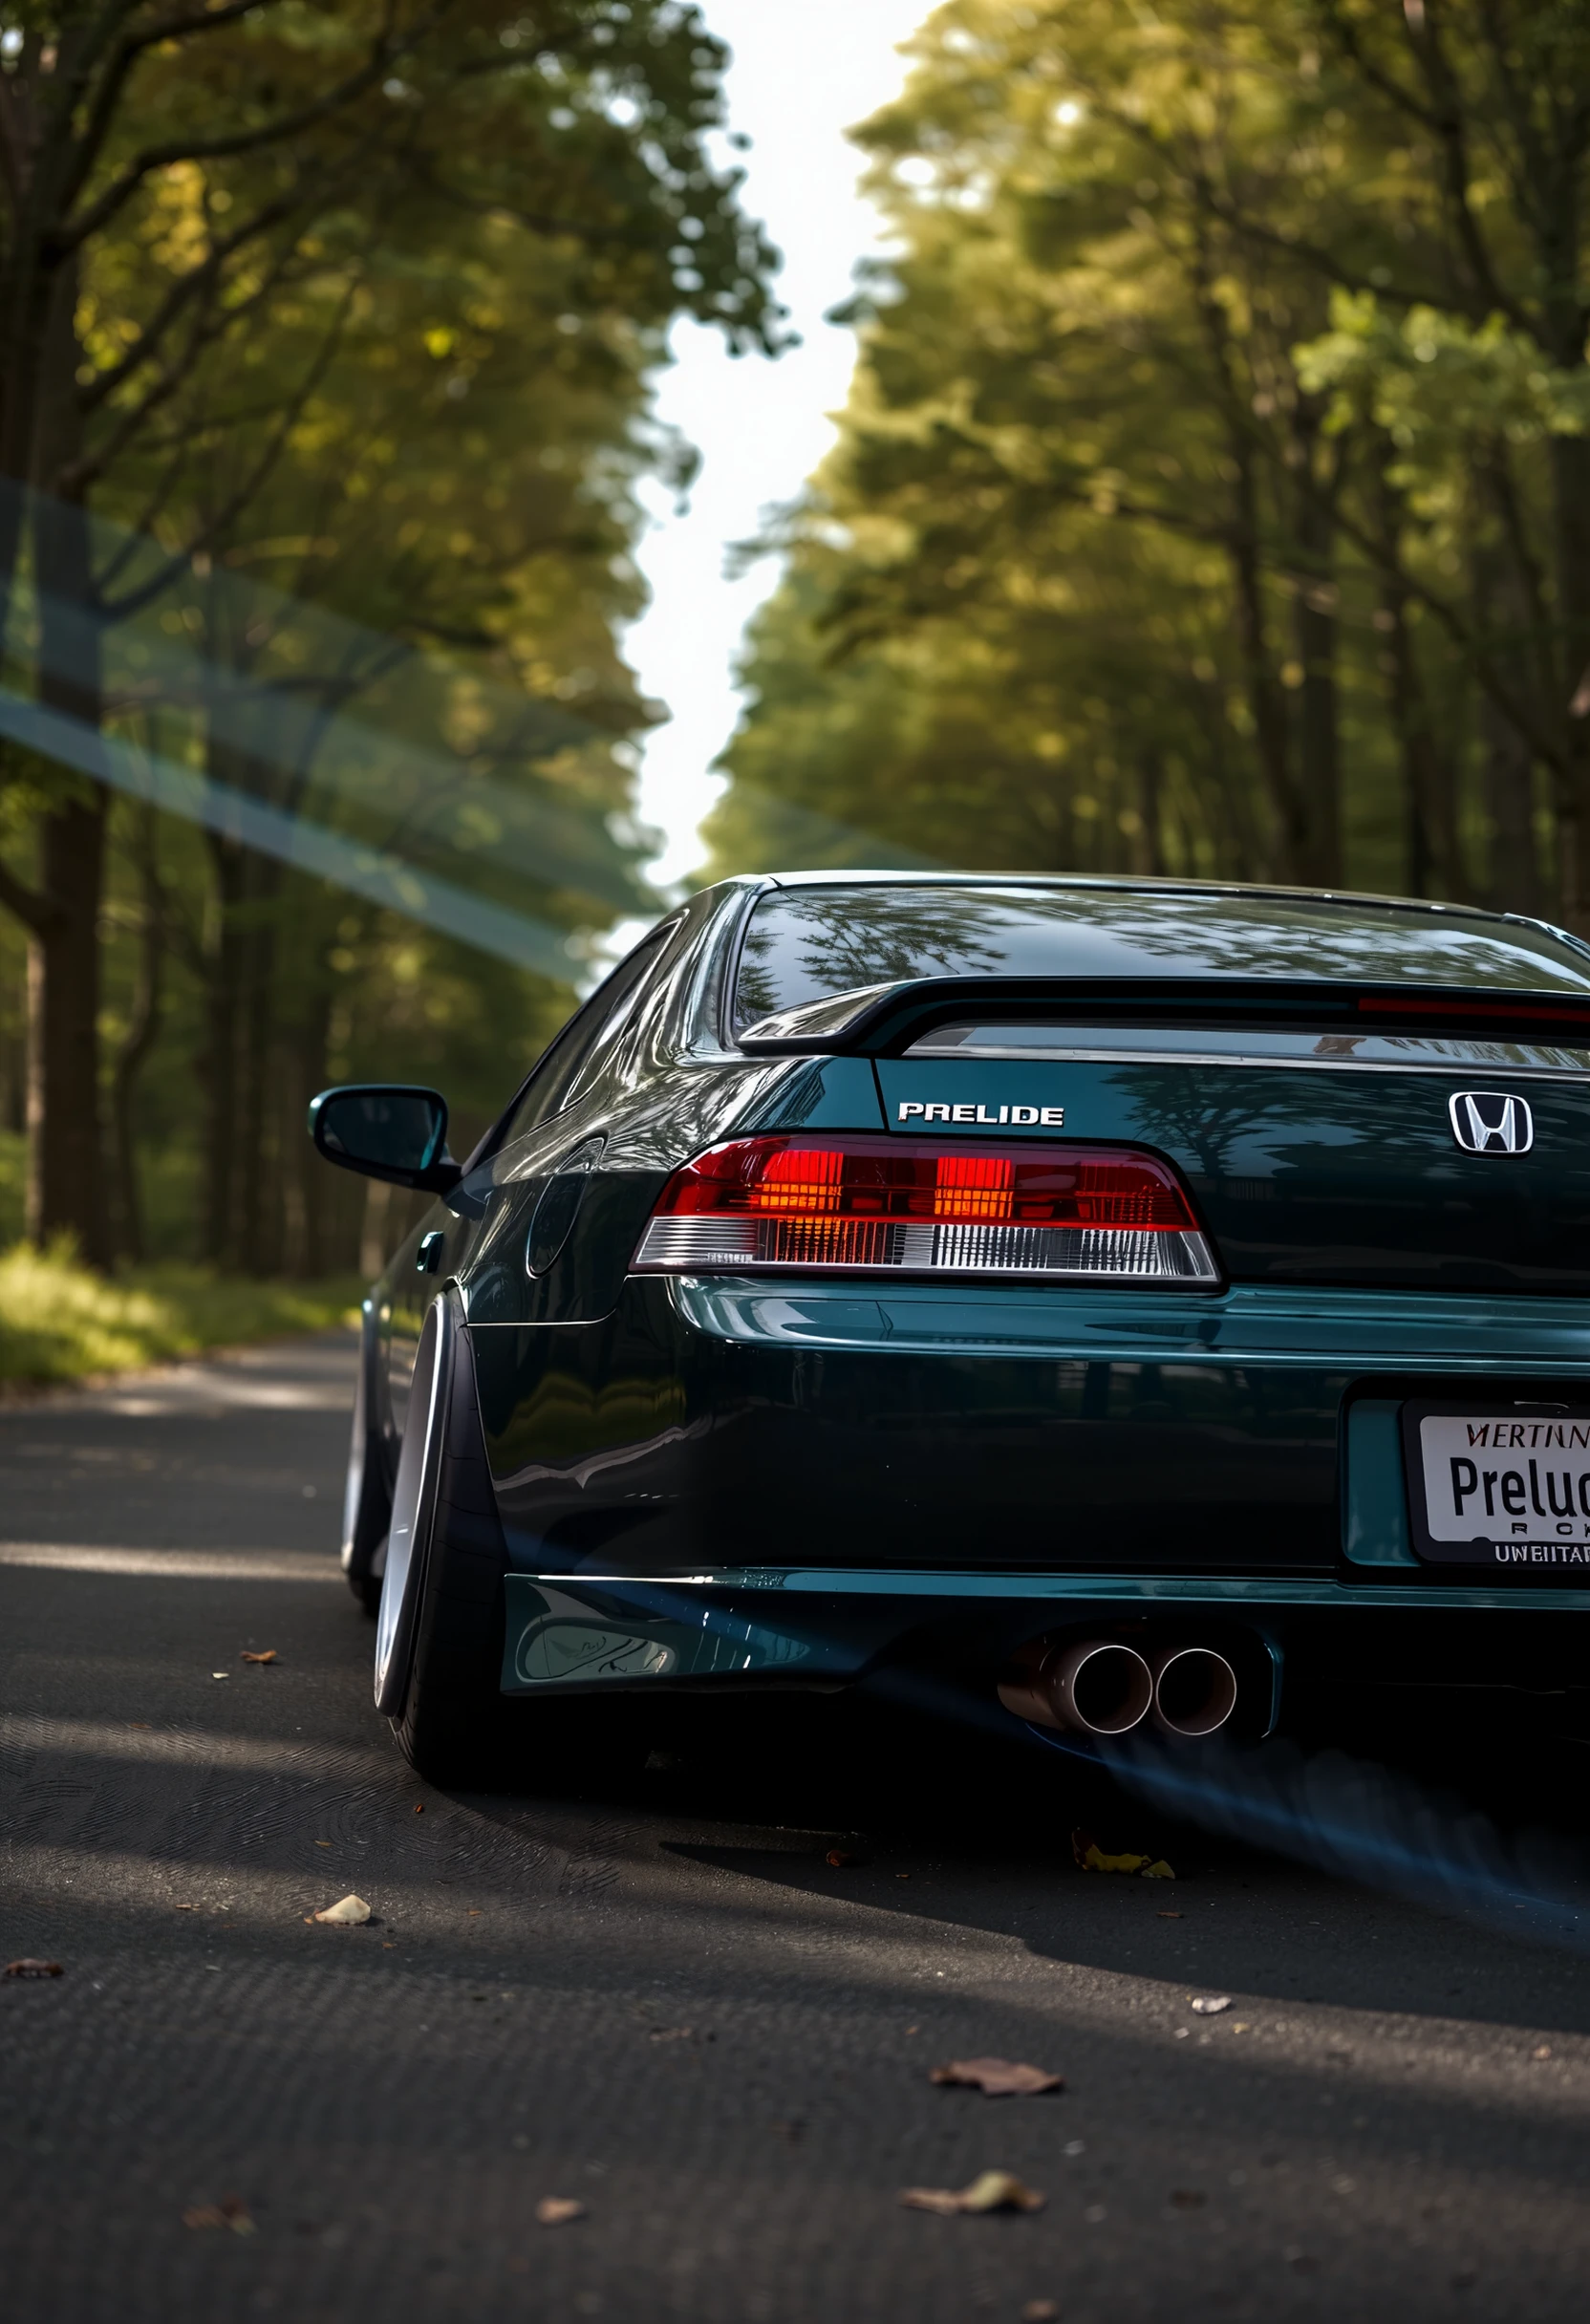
(752, 1480)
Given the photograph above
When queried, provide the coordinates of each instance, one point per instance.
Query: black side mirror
(386, 1131)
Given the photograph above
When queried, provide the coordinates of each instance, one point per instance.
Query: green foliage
(59, 1320)
(368, 304)
(1205, 499)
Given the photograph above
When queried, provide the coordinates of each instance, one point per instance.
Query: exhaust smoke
(1361, 1822)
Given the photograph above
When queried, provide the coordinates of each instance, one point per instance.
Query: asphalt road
(645, 1988)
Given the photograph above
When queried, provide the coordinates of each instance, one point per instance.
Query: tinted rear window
(805, 943)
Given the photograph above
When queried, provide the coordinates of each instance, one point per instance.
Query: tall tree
(1229, 383)
(168, 177)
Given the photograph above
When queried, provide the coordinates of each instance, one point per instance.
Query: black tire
(367, 1499)
(450, 1720)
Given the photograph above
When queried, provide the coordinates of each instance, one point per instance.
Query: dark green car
(1100, 1296)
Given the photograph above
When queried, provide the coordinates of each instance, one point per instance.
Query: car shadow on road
(916, 1815)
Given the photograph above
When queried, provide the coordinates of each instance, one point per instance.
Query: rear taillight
(918, 1207)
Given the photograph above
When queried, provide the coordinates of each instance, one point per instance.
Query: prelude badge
(1485, 1122)
(986, 1117)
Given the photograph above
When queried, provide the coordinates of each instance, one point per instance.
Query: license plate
(1503, 1485)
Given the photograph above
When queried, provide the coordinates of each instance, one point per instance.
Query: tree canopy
(327, 331)
(1212, 495)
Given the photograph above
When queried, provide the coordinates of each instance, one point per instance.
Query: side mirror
(386, 1131)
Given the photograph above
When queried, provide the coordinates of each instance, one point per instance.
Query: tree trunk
(142, 1031)
(304, 1165)
(65, 1165)
(1266, 703)
(259, 1188)
(65, 1179)
(1314, 629)
(1570, 459)
(1148, 855)
(217, 1063)
(1435, 862)
(1515, 882)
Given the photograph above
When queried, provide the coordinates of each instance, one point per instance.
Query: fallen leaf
(1167, 1916)
(1187, 2199)
(231, 2211)
(27, 1968)
(268, 1656)
(841, 1858)
(322, 1843)
(350, 1912)
(990, 2191)
(1086, 1852)
(997, 2077)
(419, 1807)
(557, 2210)
(1209, 2004)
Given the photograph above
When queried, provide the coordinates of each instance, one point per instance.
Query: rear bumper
(819, 1629)
(1055, 1442)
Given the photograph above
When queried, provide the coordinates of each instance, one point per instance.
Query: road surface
(648, 1992)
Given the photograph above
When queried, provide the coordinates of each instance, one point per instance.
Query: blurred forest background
(1214, 494)
(1213, 497)
(326, 336)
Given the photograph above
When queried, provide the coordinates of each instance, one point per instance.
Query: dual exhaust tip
(1098, 1687)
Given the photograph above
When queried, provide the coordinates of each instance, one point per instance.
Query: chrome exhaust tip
(1098, 1686)
(1194, 1692)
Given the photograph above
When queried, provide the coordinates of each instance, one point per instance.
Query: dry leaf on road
(842, 1858)
(25, 1968)
(268, 1656)
(1086, 1852)
(989, 2191)
(997, 2077)
(557, 2210)
(231, 2211)
(350, 1912)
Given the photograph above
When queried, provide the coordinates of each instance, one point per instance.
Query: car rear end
(1165, 1278)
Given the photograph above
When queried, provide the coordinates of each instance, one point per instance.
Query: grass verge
(59, 1320)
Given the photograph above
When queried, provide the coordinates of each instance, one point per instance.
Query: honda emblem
(1486, 1122)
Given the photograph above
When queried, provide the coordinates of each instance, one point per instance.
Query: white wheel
(412, 1510)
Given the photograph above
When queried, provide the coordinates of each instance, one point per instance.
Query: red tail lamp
(913, 1207)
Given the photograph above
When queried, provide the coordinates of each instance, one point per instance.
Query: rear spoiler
(884, 1020)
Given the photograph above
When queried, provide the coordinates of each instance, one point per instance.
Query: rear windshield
(805, 943)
